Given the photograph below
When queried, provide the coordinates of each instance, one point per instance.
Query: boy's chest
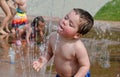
(66, 51)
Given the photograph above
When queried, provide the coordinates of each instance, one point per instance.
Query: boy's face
(69, 25)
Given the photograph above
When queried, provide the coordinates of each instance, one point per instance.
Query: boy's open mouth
(60, 28)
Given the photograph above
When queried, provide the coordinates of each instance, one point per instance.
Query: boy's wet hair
(36, 21)
(86, 27)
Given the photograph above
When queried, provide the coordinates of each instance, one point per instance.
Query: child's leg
(7, 28)
(8, 14)
(13, 30)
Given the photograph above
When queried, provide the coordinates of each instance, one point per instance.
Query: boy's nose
(63, 22)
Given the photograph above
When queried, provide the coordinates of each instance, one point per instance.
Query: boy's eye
(70, 22)
(71, 25)
(66, 17)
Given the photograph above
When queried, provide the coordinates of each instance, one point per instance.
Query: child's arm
(41, 35)
(82, 56)
(47, 55)
(28, 33)
(38, 64)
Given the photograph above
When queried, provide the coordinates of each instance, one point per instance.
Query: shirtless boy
(70, 55)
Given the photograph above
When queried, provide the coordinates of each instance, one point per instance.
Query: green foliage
(111, 11)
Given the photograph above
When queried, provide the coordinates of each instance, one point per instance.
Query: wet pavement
(103, 44)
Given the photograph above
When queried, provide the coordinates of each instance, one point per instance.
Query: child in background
(31, 30)
(37, 27)
(70, 55)
(20, 19)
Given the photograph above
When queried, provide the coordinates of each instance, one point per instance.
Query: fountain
(102, 43)
(103, 51)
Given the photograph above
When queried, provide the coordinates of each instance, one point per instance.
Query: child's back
(22, 4)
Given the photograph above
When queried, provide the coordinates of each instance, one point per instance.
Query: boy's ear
(77, 35)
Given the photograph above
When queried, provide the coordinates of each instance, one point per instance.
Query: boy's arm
(46, 56)
(82, 56)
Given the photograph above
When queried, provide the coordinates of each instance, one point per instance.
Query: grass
(109, 12)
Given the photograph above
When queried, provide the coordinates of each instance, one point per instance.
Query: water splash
(12, 55)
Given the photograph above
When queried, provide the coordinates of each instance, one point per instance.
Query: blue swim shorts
(87, 75)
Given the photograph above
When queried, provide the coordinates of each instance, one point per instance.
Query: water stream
(103, 46)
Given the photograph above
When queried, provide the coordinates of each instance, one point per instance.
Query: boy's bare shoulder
(79, 44)
(52, 35)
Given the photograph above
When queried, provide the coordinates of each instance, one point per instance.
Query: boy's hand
(37, 65)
